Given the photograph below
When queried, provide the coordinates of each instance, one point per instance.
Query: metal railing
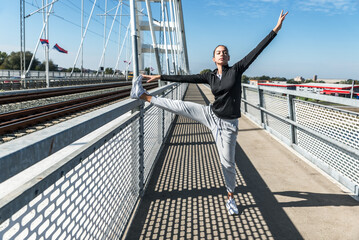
(83, 177)
(7, 73)
(326, 135)
(36, 83)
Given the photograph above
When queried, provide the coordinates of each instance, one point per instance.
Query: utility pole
(46, 36)
(22, 41)
(82, 33)
(104, 39)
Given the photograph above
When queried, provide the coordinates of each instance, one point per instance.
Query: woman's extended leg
(191, 110)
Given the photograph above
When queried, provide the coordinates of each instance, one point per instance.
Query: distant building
(342, 90)
(330, 80)
(256, 81)
(299, 79)
(279, 85)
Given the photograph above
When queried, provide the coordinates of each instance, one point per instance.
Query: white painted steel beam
(157, 26)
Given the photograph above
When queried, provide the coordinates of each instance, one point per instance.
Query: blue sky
(318, 36)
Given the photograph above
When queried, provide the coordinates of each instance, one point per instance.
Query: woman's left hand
(280, 21)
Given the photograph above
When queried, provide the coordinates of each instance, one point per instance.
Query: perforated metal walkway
(280, 196)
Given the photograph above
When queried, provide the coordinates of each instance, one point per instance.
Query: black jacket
(226, 91)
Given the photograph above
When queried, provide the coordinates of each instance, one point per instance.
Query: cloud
(328, 6)
(259, 7)
(218, 3)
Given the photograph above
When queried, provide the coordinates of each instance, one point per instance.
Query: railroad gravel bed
(22, 132)
(11, 107)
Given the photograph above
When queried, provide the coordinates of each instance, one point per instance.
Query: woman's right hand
(151, 78)
(280, 22)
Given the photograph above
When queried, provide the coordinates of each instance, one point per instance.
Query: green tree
(264, 77)
(147, 70)
(108, 71)
(42, 66)
(12, 61)
(350, 81)
(3, 56)
(75, 69)
(205, 71)
(278, 79)
(245, 79)
(292, 81)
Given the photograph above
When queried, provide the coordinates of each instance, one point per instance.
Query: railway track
(22, 119)
(53, 93)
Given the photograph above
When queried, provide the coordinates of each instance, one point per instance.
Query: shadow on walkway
(186, 195)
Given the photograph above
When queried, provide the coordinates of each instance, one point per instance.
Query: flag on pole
(60, 49)
(44, 41)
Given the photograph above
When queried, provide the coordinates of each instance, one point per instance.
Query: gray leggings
(224, 131)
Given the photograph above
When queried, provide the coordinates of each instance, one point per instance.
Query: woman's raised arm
(280, 21)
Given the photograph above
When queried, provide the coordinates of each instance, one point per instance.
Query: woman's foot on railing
(137, 88)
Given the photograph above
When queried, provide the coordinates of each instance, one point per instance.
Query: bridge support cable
(120, 50)
(46, 36)
(102, 60)
(163, 24)
(82, 32)
(38, 41)
(174, 37)
(183, 35)
(119, 40)
(83, 37)
(22, 40)
(154, 44)
(169, 37)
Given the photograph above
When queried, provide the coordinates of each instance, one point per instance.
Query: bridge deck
(279, 195)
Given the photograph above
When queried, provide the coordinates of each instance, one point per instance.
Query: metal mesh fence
(277, 104)
(96, 198)
(337, 124)
(252, 97)
(92, 201)
(156, 123)
(279, 126)
(333, 123)
(328, 136)
(152, 137)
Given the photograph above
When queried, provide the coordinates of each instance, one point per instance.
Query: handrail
(326, 135)
(339, 100)
(70, 143)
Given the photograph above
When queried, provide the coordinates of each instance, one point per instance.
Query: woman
(222, 116)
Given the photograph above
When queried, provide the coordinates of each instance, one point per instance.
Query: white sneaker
(137, 88)
(231, 207)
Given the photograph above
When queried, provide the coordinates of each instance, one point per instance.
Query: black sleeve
(196, 78)
(243, 64)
